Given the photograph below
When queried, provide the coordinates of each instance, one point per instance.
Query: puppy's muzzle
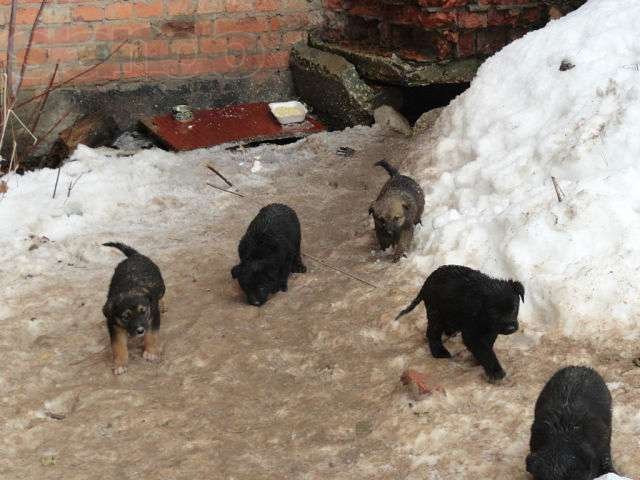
(139, 331)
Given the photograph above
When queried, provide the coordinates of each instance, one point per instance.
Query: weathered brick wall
(432, 30)
(167, 39)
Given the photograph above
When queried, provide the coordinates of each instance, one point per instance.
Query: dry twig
(225, 190)
(210, 167)
(559, 192)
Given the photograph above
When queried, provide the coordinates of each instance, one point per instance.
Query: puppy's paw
(150, 357)
(496, 377)
(119, 370)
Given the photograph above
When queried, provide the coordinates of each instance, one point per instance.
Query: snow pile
(612, 476)
(487, 171)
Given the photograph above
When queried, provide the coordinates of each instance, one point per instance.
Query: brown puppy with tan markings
(397, 209)
(133, 306)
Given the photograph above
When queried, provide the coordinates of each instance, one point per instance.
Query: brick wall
(166, 39)
(432, 30)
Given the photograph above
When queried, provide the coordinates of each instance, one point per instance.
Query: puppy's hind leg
(119, 348)
(434, 338)
(298, 266)
(150, 349)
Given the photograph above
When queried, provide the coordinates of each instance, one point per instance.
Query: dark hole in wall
(417, 100)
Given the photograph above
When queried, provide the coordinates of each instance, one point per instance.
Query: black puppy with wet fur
(571, 432)
(133, 306)
(460, 299)
(396, 211)
(269, 251)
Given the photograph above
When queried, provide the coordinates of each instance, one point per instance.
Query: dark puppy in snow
(460, 299)
(269, 251)
(133, 306)
(571, 432)
(397, 209)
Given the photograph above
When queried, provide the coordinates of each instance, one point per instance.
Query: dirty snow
(487, 169)
(308, 386)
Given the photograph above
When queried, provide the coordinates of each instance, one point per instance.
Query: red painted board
(247, 123)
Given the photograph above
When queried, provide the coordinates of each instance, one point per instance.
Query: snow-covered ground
(487, 169)
(307, 386)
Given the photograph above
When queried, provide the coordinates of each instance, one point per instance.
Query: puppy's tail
(128, 251)
(413, 305)
(392, 171)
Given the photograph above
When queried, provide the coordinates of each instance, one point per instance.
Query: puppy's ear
(235, 271)
(531, 463)
(107, 310)
(519, 289)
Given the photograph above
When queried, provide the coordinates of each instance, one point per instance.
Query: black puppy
(133, 306)
(571, 432)
(269, 251)
(460, 299)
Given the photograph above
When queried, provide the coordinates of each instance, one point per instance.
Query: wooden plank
(246, 123)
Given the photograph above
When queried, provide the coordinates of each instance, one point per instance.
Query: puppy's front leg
(404, 243)
(119, 349)
(481, 346)
(150, 339)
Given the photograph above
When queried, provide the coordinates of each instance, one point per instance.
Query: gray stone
(426, 120)
(388, 117)
(332, 86)
(397, 71)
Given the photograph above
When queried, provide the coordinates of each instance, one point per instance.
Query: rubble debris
(388, 117)
(427, 120)
(566, 65)
(93, 130)
(345, 151)
(418, 384)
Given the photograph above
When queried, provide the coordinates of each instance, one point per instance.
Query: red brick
(247, 24)
(148, 9)
(438, 20)
(119, 11)
(289, 38)
(270, 41)
(87, 13)
(204, 27)
(490, 41)
(184, 46)
(71, 33)
(402, 14)
(151, 69)
(241, 42)
(37, 56)
(210, 6)
(123, 31)
(268, 5)
(498, 18)
(472, 19)
(213, 45)
(57, 14)
(233, 6)
(443, 3)
(466, 44)
(295, 21)
(296, 5)
(367, 9)
(532, 15)
(335, 5)
(62, 54)
(418, 383)
(181, 7)
(26, 15)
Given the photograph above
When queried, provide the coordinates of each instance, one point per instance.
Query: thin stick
(71, 79)
(11, 48)
(350, 275)
(210, 167)
(40, 109)
(25, 60)
(224, 190)
(73, 183)
(559, 192)
(55, 187)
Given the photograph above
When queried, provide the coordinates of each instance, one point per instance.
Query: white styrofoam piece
(288, 112)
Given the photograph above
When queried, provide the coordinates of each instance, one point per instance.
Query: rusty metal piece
(240, 124)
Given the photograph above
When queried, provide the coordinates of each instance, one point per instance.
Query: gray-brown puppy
(397, 209)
